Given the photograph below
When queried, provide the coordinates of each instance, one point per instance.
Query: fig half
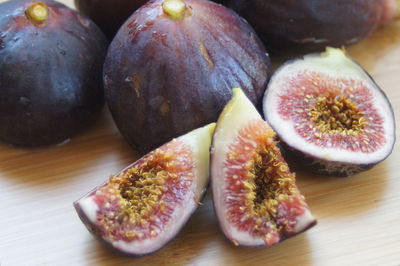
(254, 192)
(143, 207)
(331, 113)
(171, 67)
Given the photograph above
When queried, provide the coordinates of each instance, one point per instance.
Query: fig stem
(175, 9)
(37, 12)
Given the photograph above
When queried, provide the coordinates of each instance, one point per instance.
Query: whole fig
(171, 68)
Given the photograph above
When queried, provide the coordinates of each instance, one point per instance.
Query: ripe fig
(312, 25)
(327, 109)
(108, 15)
(254, 192)
(143, 207)
(51, 72)
(172, 65)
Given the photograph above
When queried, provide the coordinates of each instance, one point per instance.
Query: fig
(144, 206)
(304, 25)
(255, 195)
(108, 15)
(330, 113)
(51, 61)
(172, 65)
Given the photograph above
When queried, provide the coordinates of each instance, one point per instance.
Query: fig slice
(331, 113)
(255, 196)
(143, 207)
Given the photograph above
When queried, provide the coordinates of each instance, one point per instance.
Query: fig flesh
(169, 70)
(331, 113)
(254, 192)
(108, 15)
(143, 207)
(304, 25)
(51, 60)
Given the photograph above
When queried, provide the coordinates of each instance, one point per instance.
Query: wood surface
(358, 217)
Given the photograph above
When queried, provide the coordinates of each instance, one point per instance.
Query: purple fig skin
(51, 74)
(164, 77)
(311, 25)
(108, 15)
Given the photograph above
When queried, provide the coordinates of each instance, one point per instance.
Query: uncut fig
(143, 207)
(330, 112)
(255, 195)
(108, 15)
(172, 65)
(310, 25)
(51, 61)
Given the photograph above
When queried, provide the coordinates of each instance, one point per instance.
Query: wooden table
(358, 217)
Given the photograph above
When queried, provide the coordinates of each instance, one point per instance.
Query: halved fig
(255, 195)
(143, 207)
(331, 113)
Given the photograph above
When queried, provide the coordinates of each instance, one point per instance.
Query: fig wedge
(143, 207)
(254, 192)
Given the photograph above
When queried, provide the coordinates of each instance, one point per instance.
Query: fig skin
(306, 26)
(373, 103)
(235, 178)
(90, 208)
(165, 76)
(108, 15)
(51, 74)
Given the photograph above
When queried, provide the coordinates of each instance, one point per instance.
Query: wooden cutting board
(358, 217)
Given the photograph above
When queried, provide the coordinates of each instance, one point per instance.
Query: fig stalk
(37, 12)
(175, 9)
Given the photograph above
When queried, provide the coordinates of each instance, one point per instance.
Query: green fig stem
(175, 9)
(37, 12)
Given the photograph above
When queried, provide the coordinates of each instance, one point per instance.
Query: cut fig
(331, 113)
(143, 207)
(254, 192)
(172, 65)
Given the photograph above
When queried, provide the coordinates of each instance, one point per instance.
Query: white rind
(200, 142)
(335, 64)
(89, 207)
(304, 221)
(238, 113)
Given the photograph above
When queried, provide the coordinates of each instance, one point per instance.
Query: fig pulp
(312, 25)
(172, 65)
(108, 15)
(254, 192)
(143, 207)
(51, 61)
(331, 113)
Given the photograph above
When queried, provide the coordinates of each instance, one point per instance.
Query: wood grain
(358, 217)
